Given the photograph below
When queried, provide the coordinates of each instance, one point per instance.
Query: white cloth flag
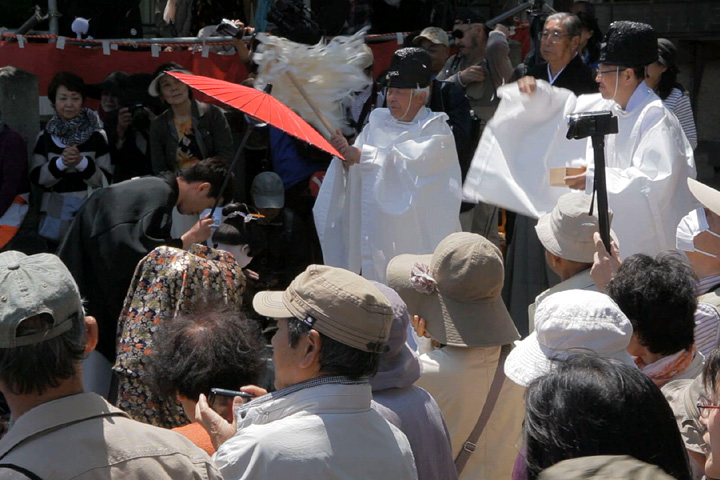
(520, 144)
(647, 162)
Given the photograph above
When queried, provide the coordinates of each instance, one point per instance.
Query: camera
(226, 27)
(140, 116)
(582, 125)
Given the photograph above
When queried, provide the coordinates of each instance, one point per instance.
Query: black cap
(666, 53)
(410, 68)
(629, 44)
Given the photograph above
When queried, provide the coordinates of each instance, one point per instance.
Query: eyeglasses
(704, 406)
(600, 73)
(553, 36)
(457, 33)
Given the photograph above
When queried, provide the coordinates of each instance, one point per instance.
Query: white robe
(402, 197)
(647, 161)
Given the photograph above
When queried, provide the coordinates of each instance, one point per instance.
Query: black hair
(658, 296)
(592, 406)
(711, 372)
(33, 369)
(72, 82)
(209, 346)
(236, 231)
(336, 358)
(639, 72)
(212, 171)
(668, 81)
(589, 22)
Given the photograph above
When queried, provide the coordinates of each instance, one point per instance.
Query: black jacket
(110, 234)
(576, 77)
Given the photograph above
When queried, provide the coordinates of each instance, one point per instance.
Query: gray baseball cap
(268, 191)
(33, 285)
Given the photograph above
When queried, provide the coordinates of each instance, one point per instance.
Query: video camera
(596, 125)
(583, 125)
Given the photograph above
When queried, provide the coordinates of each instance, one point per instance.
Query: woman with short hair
(71, 156)
(591, 405)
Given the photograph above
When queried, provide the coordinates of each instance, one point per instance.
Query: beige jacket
(84, 437)
(459, 380)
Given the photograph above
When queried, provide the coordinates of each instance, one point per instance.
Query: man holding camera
(647, 161)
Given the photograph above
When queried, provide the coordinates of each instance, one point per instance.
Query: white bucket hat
(573, 321)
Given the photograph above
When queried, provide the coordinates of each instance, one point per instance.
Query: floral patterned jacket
(166, 282)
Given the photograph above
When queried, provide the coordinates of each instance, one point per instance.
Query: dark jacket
(13, 167)
(450, 98)
(128, 158)
(287, 251)
(212, 133)
(110, 234)
(576, 77)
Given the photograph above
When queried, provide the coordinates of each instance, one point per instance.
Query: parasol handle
(232, 167)
(309, 101)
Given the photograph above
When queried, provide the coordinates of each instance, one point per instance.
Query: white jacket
(402, 197)
(320, 432)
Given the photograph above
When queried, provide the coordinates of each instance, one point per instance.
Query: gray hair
(426, 90)
(570, 22)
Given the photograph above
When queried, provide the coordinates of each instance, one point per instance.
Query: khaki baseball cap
(457, 291)
(338, 303)
(31, 286)
(435, 34)
(567, 231)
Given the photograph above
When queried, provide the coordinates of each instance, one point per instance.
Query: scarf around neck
(666, 368)
(75, 131)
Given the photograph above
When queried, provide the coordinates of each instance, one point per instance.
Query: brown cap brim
(270, 304)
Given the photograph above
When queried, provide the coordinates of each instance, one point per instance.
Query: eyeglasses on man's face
(553, 36)
(599, 73)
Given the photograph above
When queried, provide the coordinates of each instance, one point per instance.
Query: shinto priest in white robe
(647, 161)
(402, 197)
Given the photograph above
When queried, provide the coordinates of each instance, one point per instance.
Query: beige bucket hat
(457, 291)
(709, 197)
(567, 231)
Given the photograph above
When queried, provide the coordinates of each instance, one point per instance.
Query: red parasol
(259, 105)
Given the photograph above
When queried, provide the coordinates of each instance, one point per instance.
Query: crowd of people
(443, 300)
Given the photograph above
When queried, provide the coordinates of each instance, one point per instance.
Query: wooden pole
(317, 112)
